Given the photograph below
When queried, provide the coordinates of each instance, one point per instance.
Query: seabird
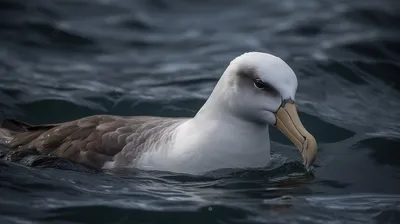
(257, 90)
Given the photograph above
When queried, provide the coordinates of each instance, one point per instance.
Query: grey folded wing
(91, 141)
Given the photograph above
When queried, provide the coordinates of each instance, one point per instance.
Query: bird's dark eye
(263, 86)
(259, 84)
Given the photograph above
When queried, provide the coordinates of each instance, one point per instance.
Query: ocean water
(65, 59)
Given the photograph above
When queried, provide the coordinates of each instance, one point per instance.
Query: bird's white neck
(215, 139)
(217, 105)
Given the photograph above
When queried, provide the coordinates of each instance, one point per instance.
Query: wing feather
(91, 141)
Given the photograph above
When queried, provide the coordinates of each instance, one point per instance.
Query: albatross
(230, 130)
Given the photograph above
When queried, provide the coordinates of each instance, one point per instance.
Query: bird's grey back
(92, 140)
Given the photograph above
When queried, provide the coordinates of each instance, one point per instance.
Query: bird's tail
(5, 136)
(8, 128)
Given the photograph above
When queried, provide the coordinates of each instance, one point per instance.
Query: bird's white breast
(198, 148)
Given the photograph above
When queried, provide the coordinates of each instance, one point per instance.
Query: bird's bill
(288, 122)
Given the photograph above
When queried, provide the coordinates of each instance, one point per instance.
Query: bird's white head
(255, 85)
(260, 88)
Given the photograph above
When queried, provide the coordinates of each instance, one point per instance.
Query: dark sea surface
(65, 59)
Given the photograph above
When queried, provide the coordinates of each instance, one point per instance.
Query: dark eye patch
(250, 73)
(259, 84)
